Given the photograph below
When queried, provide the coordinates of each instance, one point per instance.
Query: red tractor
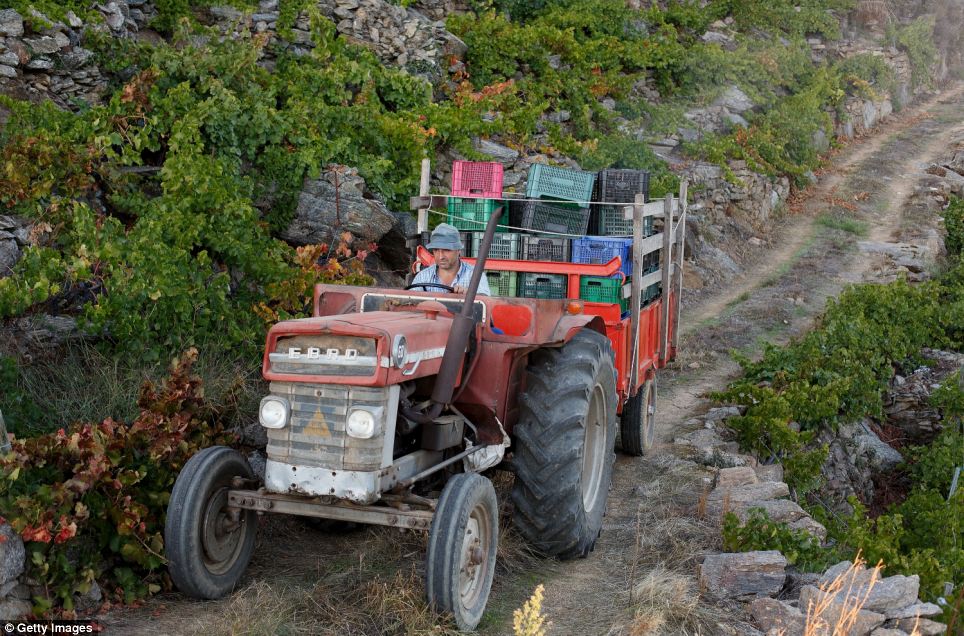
(388, 407)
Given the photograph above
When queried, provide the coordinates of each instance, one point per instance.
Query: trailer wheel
(564, 443)
(207, 545)
(461, 549)
(637, 427)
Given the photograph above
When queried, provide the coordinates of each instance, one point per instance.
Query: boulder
(12, 555)
(9, 253)
(325, 210)
(500, 153)
(825, 612)
(770, 614)
(735, 100)
(723, 500)
(919, 627)
(886, 631)
(879, 594)
(769, 472)
(869, 447)
(736, 476)
(11, 23)
(743, 574)
(13, 608)
(915, 611)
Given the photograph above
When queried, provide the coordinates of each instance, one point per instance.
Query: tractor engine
(332, 415)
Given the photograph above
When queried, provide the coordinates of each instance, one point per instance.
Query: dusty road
(302, 581)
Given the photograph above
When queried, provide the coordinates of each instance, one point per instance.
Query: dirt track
(303, 581)
(651, 520)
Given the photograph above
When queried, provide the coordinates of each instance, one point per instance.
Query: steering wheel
(451, 290)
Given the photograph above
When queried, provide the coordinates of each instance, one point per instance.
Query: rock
(769, 472)
(743, 574)
(780, 510)
(40, 64)
(824, 611)
(723, 500)
(43, 45)
(735, 100)
(737, 476)
(736, 121)
(258, 462)
(89, 600)
(7, 71)
(723, 413)
(9, 254)
(887, 593)
(9, 58)
(884, 631)
(325, 211)
(915, 610)
(921, 627)
(705, 439)
(717, 37)
(12, 608)
(771, 614)
(12, 555)
(811, 525)
(43, 330)
(879, 456)
(11, 23)
(502, 154)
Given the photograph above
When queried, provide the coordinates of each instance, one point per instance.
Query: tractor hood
(378, 348)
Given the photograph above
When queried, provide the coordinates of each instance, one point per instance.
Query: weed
(844, 224)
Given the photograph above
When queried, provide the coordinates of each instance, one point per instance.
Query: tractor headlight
(273, 412)
(362, 423)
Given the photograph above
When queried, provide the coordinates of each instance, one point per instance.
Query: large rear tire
(564, 442)
(208, 546)
(637, 427)
(462, 547)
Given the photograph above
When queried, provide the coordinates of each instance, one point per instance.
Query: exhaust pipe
(462, 326)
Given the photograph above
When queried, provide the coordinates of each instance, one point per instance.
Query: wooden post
(423, 190)
(680, 238)
(636, 289)
(667, 263)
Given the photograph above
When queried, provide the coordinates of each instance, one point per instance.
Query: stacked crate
(613, 237)
(476, 195)
(558, 204)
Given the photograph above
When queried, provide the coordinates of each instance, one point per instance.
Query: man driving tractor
(448, 270)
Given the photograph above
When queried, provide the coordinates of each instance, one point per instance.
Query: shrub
(954, 227)
(759, 532)
(90, 500)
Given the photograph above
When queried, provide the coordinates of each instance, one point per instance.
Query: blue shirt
(430, 275)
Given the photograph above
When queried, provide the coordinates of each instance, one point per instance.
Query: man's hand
(460, 289)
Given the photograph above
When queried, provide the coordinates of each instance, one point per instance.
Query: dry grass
(873, 13)
(667, 602)
(837, 609)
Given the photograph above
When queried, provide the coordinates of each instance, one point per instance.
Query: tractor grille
(324, 355)
(315, 435)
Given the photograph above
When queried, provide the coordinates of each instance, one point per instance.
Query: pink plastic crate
(477, 179)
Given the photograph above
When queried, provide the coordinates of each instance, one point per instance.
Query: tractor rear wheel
(637, 427)
(462, 546)
(564, 442)
(208, 545)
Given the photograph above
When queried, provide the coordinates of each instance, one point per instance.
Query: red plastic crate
(477, 179)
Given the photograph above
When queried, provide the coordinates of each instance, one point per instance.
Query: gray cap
(445, 237)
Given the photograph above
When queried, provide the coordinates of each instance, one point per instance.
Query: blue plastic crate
(602, 249)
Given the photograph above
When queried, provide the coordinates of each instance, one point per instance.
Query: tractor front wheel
(208, 545)
(637, 427)
(564, 443)
(461, 549)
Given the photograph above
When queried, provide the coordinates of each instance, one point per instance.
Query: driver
(446, 247)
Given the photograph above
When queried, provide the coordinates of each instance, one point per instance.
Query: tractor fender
(569, 326)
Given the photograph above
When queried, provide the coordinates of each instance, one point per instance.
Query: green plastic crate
(603, 289)
(502, 283)
(542, 286)
(504, 246)
(550, 182)
(473, 214)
